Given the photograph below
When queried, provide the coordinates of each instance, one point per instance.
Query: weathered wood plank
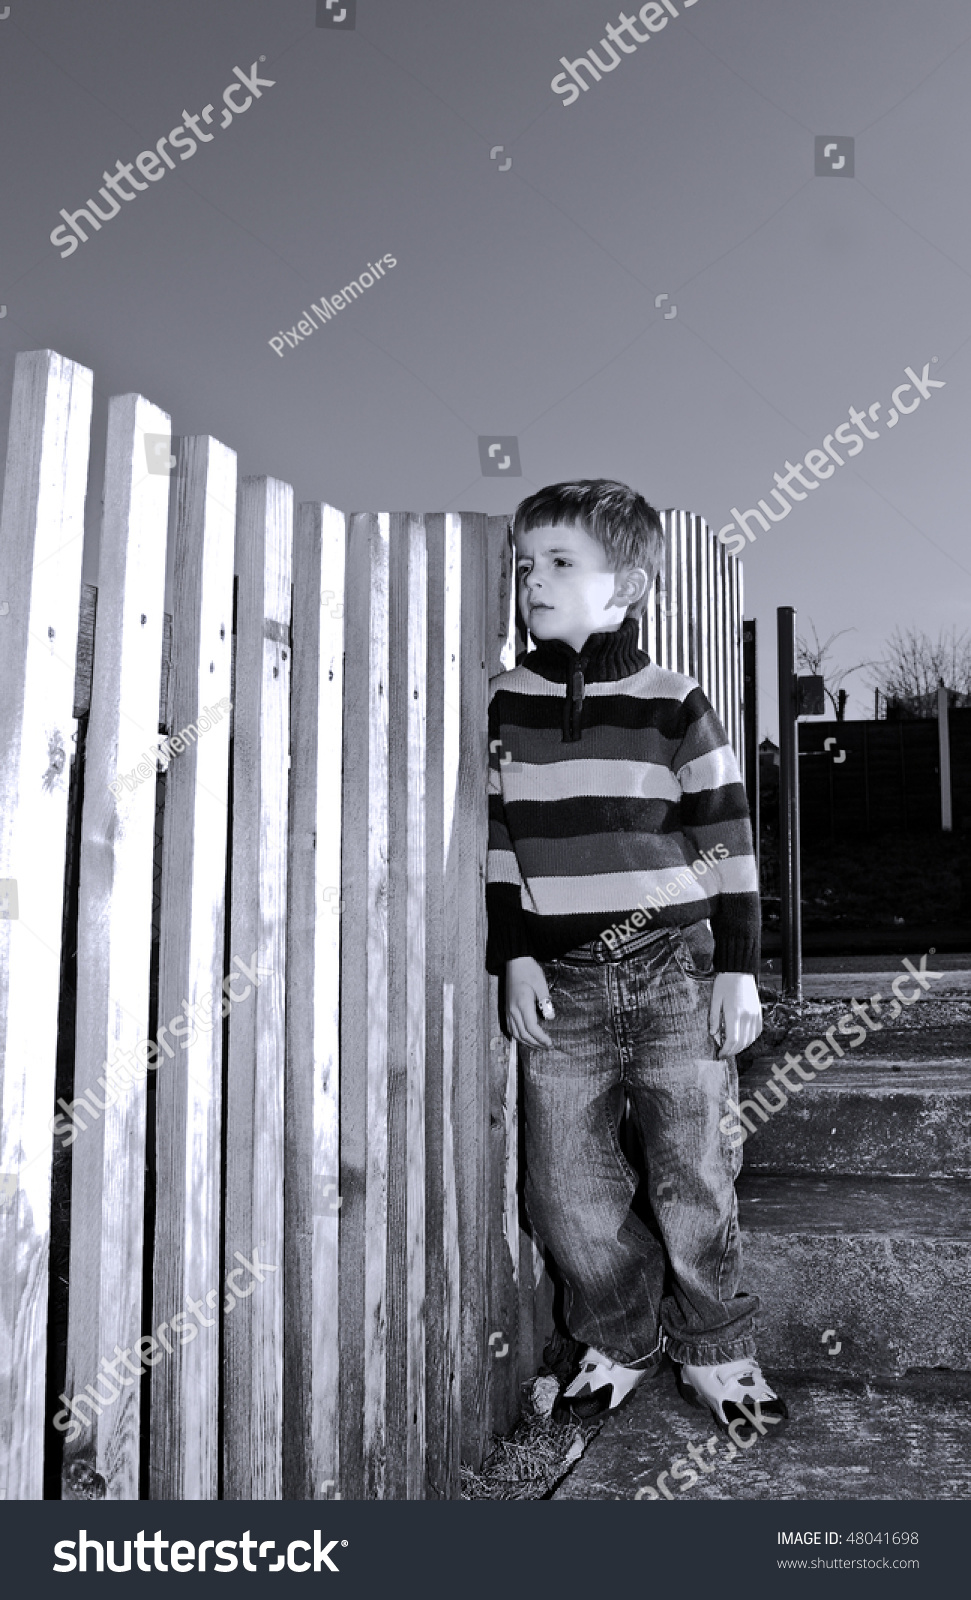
(735, 580)
(503, 1354)
(184, 1460)
(41, 540)
(364, 1014)
(442, 1307)
(314, 921)
(253, 1309)
(84, 660)
(406, 1009)
(719, 623)
(114, 950)
(464, 883)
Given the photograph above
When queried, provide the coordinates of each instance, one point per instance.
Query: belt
(596, 953)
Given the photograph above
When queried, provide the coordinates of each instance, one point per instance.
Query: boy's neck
(595, 638)
(610, 653)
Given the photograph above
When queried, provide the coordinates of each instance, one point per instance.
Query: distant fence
(881, 777)
(274, 1245)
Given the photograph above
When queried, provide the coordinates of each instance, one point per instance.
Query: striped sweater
(615, 806)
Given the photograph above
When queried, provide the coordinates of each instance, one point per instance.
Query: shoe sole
(565, 1406)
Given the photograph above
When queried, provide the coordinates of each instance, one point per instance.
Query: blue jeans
(633, 1024)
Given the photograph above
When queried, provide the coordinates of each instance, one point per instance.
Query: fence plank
(114, 952)
(41, 539)
(253, 1308)
(443, 1322)
(314, 911)
(407, 705)
(185, 1388)
(466, 875)
(502, 1355)
(364, 1013)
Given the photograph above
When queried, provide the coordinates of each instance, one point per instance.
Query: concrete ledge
(885, 1265)
(871, 1117)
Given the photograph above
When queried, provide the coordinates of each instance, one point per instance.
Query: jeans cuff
(646, 1363)
(709, 1355)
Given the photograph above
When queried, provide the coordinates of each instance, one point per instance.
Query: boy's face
(566, 587)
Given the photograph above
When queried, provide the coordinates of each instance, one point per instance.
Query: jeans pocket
(694, 950)
(551, 972)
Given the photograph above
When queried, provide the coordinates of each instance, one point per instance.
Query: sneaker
(726, 1389)
(600, 1385)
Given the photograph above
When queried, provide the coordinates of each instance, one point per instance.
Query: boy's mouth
(539, 605)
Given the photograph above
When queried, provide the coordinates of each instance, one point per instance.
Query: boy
(622, 883)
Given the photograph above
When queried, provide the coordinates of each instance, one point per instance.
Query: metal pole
(750, 709)
(789, 875)
(944, 746)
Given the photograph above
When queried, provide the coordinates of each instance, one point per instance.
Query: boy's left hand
(735, 1003)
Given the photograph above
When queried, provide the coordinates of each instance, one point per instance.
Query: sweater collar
(604, 657)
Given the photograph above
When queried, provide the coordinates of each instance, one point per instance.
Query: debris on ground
(531, 1462)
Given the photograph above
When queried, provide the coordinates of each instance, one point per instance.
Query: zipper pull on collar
(575, 703)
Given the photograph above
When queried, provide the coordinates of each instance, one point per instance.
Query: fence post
(443, 1292)
(750, 713)
(253, 1308)
(315, 921)
(789, 866)
(114, 953)
(184, 1458)
(944, 749)
(364, 1014)
(407, 937)
(510, 1353)
(41, 540)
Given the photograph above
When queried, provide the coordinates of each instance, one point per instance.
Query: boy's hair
(618, 518)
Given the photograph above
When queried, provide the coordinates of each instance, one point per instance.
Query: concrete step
(846, 1440)
(882, 1265)
(864, 1117)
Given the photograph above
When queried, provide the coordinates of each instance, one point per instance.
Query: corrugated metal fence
(254, 1096)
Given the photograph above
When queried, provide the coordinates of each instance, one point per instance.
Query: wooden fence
(860, 778)
(296, 1210)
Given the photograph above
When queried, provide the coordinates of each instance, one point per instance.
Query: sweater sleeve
(507, 937)
(715, 818)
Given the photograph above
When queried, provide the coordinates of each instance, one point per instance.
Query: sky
(532, 233)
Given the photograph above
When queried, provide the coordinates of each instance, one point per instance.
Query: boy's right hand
(526, 994)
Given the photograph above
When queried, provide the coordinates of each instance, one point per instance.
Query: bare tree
(914, 664)
(815, 657)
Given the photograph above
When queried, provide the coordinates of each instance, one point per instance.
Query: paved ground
(900, 1440)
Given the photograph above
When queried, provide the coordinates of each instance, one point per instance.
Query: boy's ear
(632, 584)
